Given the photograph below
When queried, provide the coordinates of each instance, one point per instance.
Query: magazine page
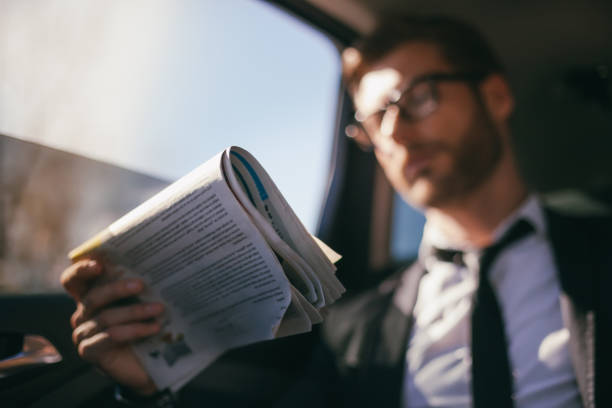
(308, 267)
(200, 254)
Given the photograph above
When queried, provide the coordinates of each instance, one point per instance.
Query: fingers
(104, 295)
(78, 277)
(117, 316)
(93, 348)
(128, 333)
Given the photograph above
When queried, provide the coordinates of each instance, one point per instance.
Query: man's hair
(459, 43)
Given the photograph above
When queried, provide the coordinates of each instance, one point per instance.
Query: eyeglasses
(417, 100)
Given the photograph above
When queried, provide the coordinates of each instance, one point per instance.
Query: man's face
(439, 159)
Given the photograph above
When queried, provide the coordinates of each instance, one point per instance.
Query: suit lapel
(368, 333)
(574, 243)
(397, 322)
(386, 361)
(581, 326)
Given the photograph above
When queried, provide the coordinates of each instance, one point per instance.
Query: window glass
(406, 230)
(138, 93)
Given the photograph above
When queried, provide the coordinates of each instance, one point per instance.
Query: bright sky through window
(159, 86)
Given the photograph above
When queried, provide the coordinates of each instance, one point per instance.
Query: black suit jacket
(366, 335)
(360, 363)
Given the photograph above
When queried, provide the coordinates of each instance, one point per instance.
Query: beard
(472, 161)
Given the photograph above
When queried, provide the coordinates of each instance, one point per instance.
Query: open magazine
(227, 255)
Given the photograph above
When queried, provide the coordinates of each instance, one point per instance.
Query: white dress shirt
(438, 358)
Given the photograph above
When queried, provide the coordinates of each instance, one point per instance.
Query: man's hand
(103, 329)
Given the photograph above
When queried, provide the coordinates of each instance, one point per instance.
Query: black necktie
(491, 369)
(449, 255)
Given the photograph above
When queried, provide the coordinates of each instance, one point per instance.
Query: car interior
(558, 58)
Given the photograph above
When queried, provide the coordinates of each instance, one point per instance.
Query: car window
(406, 230)
(134, 95)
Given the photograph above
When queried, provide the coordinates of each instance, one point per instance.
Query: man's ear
(497, 97)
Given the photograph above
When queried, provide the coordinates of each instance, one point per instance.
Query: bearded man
(506, 304)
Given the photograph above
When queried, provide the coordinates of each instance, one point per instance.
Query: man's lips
(414, 169)
(417, 161)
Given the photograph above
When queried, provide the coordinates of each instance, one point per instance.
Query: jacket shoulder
(351, 322)
(368, 328)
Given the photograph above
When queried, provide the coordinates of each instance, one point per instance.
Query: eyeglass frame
(397, 94)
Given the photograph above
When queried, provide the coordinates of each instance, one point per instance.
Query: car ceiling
(522, 31)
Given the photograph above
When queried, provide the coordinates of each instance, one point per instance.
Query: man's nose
(394, 127)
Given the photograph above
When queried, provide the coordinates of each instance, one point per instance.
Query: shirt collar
(531, 210)
(434, 236)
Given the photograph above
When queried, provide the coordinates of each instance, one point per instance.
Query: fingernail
(133, 285)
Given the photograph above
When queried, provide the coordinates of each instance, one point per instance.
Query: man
(487, 316)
